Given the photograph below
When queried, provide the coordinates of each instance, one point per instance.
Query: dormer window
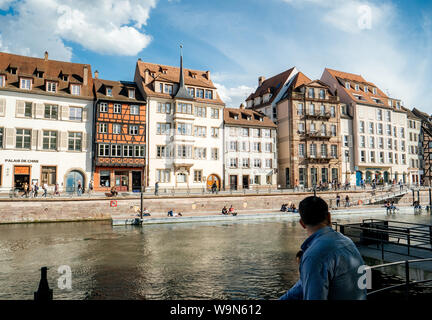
(164, 70)
(191, 91)
(347, 85)
(365, 89)
(109, 92)
(51, 86)
(209, 94)
(374, 90)
(2, 80)
(398, 104)
(39, 74)
(64, 77)
(131, 93)
(193, 75)
(13, 70)
(75, 89)
(357, 87)
(168, 88)
(26, 83)
(200, 93)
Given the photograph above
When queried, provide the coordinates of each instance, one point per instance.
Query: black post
(418, 196)
(413, 196)
(142, 203)
(430, 199)
(44, 293)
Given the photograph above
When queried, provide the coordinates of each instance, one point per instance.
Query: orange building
(119, 143)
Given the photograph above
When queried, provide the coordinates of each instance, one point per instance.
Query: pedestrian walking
(79, 188)
(36, 189)
(45, 190)
(56, 190)
(214, 187)
(157, 188)
(347, 201)
(337, 200)
(91, 185)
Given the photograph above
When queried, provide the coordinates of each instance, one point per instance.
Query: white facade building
(45, 123)
(184, 127)
(414, 148)
(250, 150)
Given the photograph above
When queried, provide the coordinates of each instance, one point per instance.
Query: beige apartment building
(379, 135)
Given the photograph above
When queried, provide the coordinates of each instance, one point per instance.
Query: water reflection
(238, 260)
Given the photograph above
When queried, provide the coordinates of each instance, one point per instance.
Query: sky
(388, 42)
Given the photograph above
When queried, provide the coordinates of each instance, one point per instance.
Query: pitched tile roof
(52, 70)
(171, 74)
(300, 79)
(271, 85)
(119, 91)
(244, 114)
(367, 97)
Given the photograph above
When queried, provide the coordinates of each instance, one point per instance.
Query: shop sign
(22, 160)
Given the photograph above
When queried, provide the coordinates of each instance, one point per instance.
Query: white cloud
(233, 97)
(105, 26)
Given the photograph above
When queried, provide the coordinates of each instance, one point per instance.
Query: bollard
(44, 293)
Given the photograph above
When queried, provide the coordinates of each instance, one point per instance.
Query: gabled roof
(52, 71)
(253, 116)
(119, 91)
(271, 85)
(300, 79)
(170, 74)
(367, 97)
(410, 114)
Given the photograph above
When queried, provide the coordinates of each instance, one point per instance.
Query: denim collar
(308, 242)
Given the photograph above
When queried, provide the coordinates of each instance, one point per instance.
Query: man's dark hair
(313, 210)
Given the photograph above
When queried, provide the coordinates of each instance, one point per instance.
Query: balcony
(317, 115)
(314, 135)
(318, 159)
(303, 96)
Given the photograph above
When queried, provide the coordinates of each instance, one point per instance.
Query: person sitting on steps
(114, 191)
(231, 211)
(224, 210)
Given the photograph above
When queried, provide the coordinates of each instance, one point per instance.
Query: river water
(235, 260)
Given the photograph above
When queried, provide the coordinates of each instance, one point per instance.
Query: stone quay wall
(58, 210)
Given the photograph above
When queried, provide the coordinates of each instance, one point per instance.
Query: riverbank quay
(28, 210)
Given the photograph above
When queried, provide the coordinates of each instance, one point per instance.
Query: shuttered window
(23, 138)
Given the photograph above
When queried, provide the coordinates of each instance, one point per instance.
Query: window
(388, 115)
(133, 130)
(380, 128)
(163, 175)
(25, 83)
(343, 109)
(184, 151)
(134, 110)
(214, 113)
(402, 145)
(256, 133)
(75, 89)
(116, 150)
(244, 132)
(301, 150)
(74, 141)
(233, 163)
(209, 94)
(402, 132)
(300, 110)
(388, 129)
(332, 111)
(164, 107)
(313, 150)
(333, 130)
(163, 152)
(245, 163)
(394, 131)
(184, 128)
(116, 128)
(103, 150)
(104, 178)
(389, 143)
(1, 137)
(163, 128)
(49, 140)
(403, 159)
(191, 91)
(109, 92)
(323, 150)
(197, 175)
(233, 146)
(347, 85)
(380, 143)
(357, 87)
(200, 153)
(268, 147)
(103, 127)
(48, 175)
(311, 93)
(372, 142)
(362, 127)
(169, 88)
(301, 127)
(379, 115)
(23, 138)
(131, 93)
(374, 90)
(268, 163)
(323, 130)
(257, 147)
(2, 81)
(200, 112)
(200, 93)
(214, 132)
(362, 142)
(103, 107)
(117, 108)
(312, 109)
(362, 156)
(371, 128)
(381, 154)
(28, 109)
(214, 153)
(184, 108)
(346, 141)
(51, 111)
(322, 110)
(200, 131)
(139, 151)
(75, 113)
(390, 157)
(257, 163)
(51, 86)
(333, 150)
(128, 151)
(322, 94)
(257, 180)
(365, 88)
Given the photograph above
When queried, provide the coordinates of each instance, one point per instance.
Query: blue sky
(387, 42)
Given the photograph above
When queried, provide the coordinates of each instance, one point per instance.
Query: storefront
(21, 176)
(124, 179)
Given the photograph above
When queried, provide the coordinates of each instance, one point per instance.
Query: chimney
(146, 76)
(208, 74)
(260, 80)
(96, 74)
(46, 56)
(85, 75)
(242, 106)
